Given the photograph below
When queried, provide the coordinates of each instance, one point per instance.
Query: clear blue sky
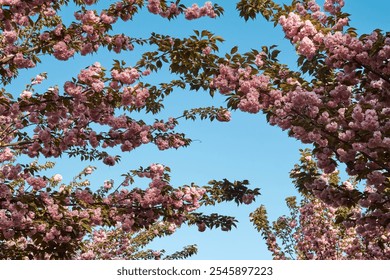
(245, 148)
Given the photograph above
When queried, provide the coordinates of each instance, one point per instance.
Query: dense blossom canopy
(338, 101)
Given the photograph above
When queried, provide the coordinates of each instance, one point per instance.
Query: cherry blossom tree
(338, 101)
(317, 230)
(41, 217)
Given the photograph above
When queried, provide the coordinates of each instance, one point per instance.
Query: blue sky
(245, 148)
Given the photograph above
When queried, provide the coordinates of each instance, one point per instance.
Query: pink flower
(206, 50)
(291, 24)
(307, 48)
(10, 37)
(224, 116)
(259, 60)
(201, 227)
(57, 178)
(38, 80)
(6, 155)
(22, 62)
(107, 185)
(172, 227)
(157, 255)
(89, 2)
(162, 143)
(26, 94)
(247, 198)
(62, 52)
(109, 160)
(195, 11)
(154, 6)
(106, 18)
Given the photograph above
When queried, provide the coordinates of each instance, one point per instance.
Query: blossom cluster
(87, 35)
(326, 224)
(248, 86)
(345, 119)
(41, 218)
(154, 6)
(47, 217)
(193, 12)
(316, 236)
